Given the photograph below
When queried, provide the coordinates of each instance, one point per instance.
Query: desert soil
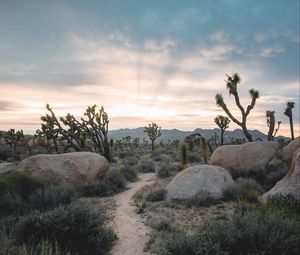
(127, 224)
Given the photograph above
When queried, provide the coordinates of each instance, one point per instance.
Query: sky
(147, 61)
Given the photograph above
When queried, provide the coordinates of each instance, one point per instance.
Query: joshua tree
(289, 112)
(94, 128)
(204, 149)
(12, 138)
(153, 131)
(231, 84)
(223, 123)
(270, 115)
(192, 140)
(183, 155)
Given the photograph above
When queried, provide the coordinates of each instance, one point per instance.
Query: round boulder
(289, 150)
(290, 184)
(200, 178)
(75, 167)
(245, 158)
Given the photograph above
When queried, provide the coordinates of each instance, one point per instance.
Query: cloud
(271, 52)
(6, 106)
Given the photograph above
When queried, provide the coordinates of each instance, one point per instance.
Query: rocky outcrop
(289, 150)
(245, 158)
(290, 184)
(74, 168)
(209, 179)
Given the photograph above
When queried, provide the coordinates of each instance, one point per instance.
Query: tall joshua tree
(153, 131)
(289, 112)
(270, 115)
(231, 84)
(223, 123)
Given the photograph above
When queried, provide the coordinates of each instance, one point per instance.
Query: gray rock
(245, 158)
(200, 178)
(289, 150)
(289, 185)
(74, 168)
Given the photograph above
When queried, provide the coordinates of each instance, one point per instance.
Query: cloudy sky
(146, 61)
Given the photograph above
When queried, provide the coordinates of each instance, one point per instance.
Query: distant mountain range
(175, 134)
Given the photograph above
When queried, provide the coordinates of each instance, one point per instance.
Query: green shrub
(21, 193)
(146, 166)
(201, 198)
(96, 189)
(129, 172)
(254, 232)
(75, 228)
(194, 157)
(114, 180)
(287, 206)
(150, 193)
(243, 189)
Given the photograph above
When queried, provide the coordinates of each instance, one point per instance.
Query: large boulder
(200, 178)
(74, 168)
(289, 150)
(246, 158)
(290, 184)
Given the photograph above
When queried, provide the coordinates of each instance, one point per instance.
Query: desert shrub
(21, 193)
(146, 166)
(193, 157)
(287, 206)
(150, 193)
(114, 180)
(243, 189)
(20, 184)
(129, 172)
(156, 155)
(96, 189)
(254, 232)
(132, 160)
(76, 228)
(201, 198)
(166, 169)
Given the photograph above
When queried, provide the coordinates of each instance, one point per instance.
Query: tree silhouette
(231, 84)
(153, 131)
(223, 123)
(289, 112)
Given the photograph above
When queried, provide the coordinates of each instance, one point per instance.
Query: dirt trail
(129, 227)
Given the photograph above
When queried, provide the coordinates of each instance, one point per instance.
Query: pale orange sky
(147, 61)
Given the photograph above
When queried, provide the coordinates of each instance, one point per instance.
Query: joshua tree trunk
(152, 144)
(222, 136)
(247, 134)
(292, 127)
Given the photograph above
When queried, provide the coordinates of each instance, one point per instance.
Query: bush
(76, 228)
(201, 198)
(193, 157)
(150, 193)
(21, 193)
(129, 172)
(96, 189)
(114, 180)
(146, 166)
(255, 232)
(243, 189)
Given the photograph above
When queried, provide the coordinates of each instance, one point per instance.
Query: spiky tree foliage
(223, 124)
(270, 115)
(12, 138)
(289, 112)
(231, 84)
(153, 131)
(76, 133)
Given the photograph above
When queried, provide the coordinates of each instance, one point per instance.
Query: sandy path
(128, 225)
